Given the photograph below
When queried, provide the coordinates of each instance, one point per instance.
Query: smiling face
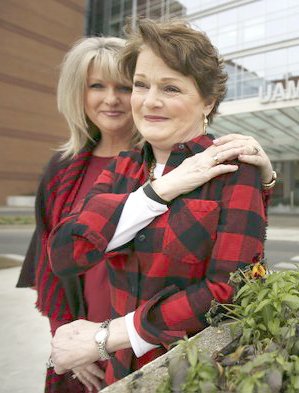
(107, 104)
(167, 107)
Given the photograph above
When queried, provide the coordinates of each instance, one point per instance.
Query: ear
(209, 106)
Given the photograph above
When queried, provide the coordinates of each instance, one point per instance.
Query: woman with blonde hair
(95, 100)
(170, 221)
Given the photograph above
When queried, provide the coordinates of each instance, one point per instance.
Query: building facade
(259, 40)
(34, 36)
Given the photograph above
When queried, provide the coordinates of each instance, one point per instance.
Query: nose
(152, 98)
(111, 97)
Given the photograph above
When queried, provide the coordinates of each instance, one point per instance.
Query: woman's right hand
(90, 376)
(195, 171)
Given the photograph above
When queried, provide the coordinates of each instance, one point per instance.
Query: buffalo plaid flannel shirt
(169, 273)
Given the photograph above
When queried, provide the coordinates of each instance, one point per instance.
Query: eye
(139, 84)
(125, 89)
(96, 86)
(172, 89)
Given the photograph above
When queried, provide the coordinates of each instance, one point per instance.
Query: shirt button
(181, 146)
(141, 238)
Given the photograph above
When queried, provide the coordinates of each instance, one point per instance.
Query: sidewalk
(24, 338)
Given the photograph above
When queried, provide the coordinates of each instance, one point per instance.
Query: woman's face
(167, 107)
(107, 104)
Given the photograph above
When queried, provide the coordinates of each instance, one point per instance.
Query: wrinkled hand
(90, 376)
(195, 171)
(73, 345)
(247, 150)
(202, 167)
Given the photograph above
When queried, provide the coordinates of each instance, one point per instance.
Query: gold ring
(215, 158)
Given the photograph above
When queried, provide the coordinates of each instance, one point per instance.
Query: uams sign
(279, 91)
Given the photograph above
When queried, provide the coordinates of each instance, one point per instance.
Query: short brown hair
(183, 49)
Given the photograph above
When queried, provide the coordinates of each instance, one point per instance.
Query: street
(282, 244)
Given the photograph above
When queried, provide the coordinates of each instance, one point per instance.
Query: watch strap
(151, 193)
(103, 354)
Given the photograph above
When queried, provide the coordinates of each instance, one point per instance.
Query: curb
(10, 260)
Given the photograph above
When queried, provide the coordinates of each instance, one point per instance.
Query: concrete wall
(34, 36)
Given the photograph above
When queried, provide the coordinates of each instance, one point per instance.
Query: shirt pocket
(191, 230)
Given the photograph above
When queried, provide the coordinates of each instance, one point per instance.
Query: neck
(161, 156)
(111, 146)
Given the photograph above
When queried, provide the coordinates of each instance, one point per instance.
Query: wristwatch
(101, 338)
(272, 182)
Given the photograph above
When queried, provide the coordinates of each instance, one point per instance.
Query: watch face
(101, 335)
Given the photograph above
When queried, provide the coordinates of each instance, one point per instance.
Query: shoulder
(55, 167)
(127, 160)
(246, 175)
(56, 162)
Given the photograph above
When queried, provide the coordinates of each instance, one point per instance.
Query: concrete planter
(149, 377)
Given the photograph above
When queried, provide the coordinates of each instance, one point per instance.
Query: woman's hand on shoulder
(194, 172)
(247, 150)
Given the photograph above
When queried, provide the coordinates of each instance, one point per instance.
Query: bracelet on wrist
(151, 193)
(272, 182)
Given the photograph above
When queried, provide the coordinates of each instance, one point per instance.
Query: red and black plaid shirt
(169, 273)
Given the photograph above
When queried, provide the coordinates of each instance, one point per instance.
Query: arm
(79, 241)
(240, 235)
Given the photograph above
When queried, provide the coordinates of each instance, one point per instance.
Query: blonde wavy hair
(103, 53)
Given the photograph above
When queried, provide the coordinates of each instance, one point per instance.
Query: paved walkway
(24, 338)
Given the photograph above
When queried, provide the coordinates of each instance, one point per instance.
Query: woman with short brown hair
(200, 213)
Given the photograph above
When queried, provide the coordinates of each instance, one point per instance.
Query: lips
(112, 113)
(155, 118)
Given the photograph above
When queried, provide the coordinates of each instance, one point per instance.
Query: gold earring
(205, 124)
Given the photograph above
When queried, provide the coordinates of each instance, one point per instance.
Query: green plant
(264, 354)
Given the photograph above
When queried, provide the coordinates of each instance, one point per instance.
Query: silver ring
(74, 376)
(215, 158)
(256, 149)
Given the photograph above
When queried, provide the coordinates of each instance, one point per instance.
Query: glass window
(254, 30)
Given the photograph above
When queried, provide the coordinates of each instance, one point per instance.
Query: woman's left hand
(74, 345)
(252, 152)
(90, 376)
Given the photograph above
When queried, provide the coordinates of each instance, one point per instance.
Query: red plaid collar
(179, 153)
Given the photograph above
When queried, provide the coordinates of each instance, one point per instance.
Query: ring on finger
(256, 149)
(50, 363)
(74, 376)
(216, 159)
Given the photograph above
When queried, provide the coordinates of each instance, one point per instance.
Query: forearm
(80, 240)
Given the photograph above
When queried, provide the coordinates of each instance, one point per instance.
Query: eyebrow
(94, 78)
(166, 79)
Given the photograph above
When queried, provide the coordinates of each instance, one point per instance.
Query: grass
(17, 220)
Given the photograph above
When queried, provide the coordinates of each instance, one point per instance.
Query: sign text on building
(279, 92)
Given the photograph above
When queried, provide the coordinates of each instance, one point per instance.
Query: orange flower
(258, 271)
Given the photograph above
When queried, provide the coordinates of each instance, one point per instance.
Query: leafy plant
(264, 354)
